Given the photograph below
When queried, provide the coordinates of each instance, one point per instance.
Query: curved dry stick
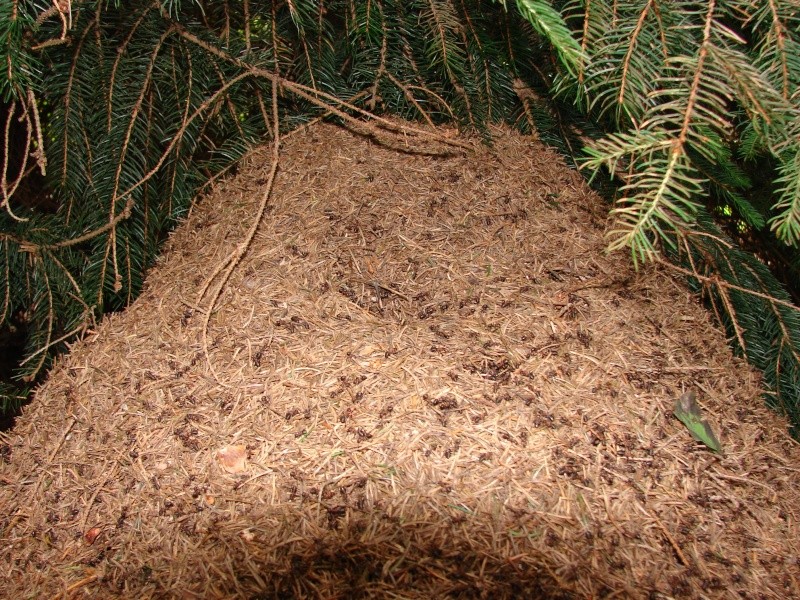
(318, 97)
(410, 97)
(5, 201)
(229, 264)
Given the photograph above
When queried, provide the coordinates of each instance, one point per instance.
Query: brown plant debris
(432, 383)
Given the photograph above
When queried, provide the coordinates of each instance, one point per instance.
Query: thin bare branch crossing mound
(432, 383)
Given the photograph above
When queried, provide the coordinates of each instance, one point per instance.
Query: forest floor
(425, 379)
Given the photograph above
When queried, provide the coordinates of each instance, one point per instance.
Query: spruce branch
(786, 224)
(549, 23)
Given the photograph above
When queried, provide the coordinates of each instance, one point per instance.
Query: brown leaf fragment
(91, 535)
(232, 459)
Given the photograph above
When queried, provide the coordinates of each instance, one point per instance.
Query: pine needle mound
(425, 379)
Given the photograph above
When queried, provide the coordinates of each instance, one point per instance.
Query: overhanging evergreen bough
(129, 109)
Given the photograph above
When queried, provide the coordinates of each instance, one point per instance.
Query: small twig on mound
(90, 578)
(227, 266)
(675, 546)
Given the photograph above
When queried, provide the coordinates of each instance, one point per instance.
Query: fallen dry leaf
(90, 536)
(232, 458)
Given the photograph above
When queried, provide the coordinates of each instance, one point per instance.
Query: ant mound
(423, 379)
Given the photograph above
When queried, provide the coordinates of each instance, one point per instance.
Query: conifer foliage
(123, 111)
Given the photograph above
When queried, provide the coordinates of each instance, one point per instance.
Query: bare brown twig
(227, 266)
